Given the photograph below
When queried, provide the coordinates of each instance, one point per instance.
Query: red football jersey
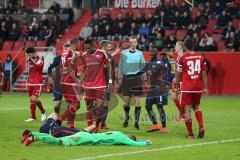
(93, 67)
(68, 57)
(35, 71)
(191, 65)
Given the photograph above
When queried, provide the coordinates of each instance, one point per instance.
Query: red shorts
(34, 90)
(70, 90)
(93, 94)
(190, 98)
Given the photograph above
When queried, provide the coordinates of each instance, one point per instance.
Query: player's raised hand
(205, 92)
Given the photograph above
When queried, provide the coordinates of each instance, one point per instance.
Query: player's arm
(71, 71)
(54, 64)
(38, 64)
(204, 79)
(120, 68)
(178, 75)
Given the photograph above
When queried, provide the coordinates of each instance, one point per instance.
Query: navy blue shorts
(57, 95)
(48, 125)
(161, 100)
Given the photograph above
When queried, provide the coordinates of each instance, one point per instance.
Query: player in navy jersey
(155, 69)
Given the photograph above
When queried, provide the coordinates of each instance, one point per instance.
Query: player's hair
(132, 137)
(66, 44)
(74, 41)
(132, 37)
(30, 50)
(88, 41)
(188, 43)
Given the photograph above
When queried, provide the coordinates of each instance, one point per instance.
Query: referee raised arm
(130, 65)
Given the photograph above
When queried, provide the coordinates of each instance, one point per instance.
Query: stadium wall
(223, 78)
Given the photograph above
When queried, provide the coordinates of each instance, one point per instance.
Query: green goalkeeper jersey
(85, 138)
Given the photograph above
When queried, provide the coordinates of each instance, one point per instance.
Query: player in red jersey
(34, 83)
(192, 67)
(179, 48)
(94, 83)
(69, 82)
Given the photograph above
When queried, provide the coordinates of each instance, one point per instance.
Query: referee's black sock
(151, 114)
(137, 113)
(127, 110)
(162, 115)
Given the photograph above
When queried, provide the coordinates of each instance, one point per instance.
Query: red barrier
(223, 78)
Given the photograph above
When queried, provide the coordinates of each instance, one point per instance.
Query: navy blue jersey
(109, 56)
(166, 75)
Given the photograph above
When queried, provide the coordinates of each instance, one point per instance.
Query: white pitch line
(156, 149)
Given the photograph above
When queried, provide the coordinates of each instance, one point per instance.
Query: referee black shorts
(132, 85)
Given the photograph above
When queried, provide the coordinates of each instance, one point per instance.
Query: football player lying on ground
(73, 137)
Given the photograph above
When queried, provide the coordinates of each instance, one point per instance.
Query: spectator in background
(158, 41)
(151, 21)
(14, 33)
(176, 21)
(159, 8)
(68, 10)
(128, 19)
(34, 21)
(8, 67)
(96, 20)
(9, 21)
(26, 20)
(86, 32)
(227, 30)
(3, 31)
(192, 28)
(163, 20)
(118, 20)
(143, 43)
(56, 23)
(158, 29)
(217, 9)
(25, 33)
(201, 20)
(106, 20)
(170, 41)
(133, 29)
(186, 20)
(54, 8)
(140, 19)
(144, 30)
(206, 43)
(97, 33)
(121, 32)
(233, 9)
(46, 35)
(2, 9)
(108, 33)
(44, 20)
(231, 42)
(11, 8)
(223, 20)
(196, 40)
(22, 9)
(35, 33)
(184, 8)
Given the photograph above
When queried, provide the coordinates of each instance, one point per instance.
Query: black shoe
(125, 124)
(201, 133)
(136, 126)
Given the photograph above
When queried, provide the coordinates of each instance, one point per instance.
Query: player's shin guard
(188, 124)
(33, 110)
(137, 113)
(40, 106)
(179, 106)
(89, 113)
(162, 115)
(72, 111)
(104, 116)
(126, 110)
(199, 117)
(151, 114)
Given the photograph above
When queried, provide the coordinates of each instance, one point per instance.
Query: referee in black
(129, 75)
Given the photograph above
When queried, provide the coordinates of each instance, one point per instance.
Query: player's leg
(89, 100)
(57, 99)
(198, 114)
(148, 105)
(179, 107)
(186, 101)
(137, 112)
(32, 106)
(161, 101)
(100, 98)
(105, 113)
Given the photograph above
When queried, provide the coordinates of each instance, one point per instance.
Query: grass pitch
(221, 119)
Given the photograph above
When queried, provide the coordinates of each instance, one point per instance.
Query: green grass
(221, 117)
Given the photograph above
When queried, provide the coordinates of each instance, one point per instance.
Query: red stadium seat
(236, 22)
(169, 32)
(41, 44)
(221, 45)
(8, 46)
(181, 33)
(30, 44)
(18, 46)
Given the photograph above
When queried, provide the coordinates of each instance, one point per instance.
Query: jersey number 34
(194, 66)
